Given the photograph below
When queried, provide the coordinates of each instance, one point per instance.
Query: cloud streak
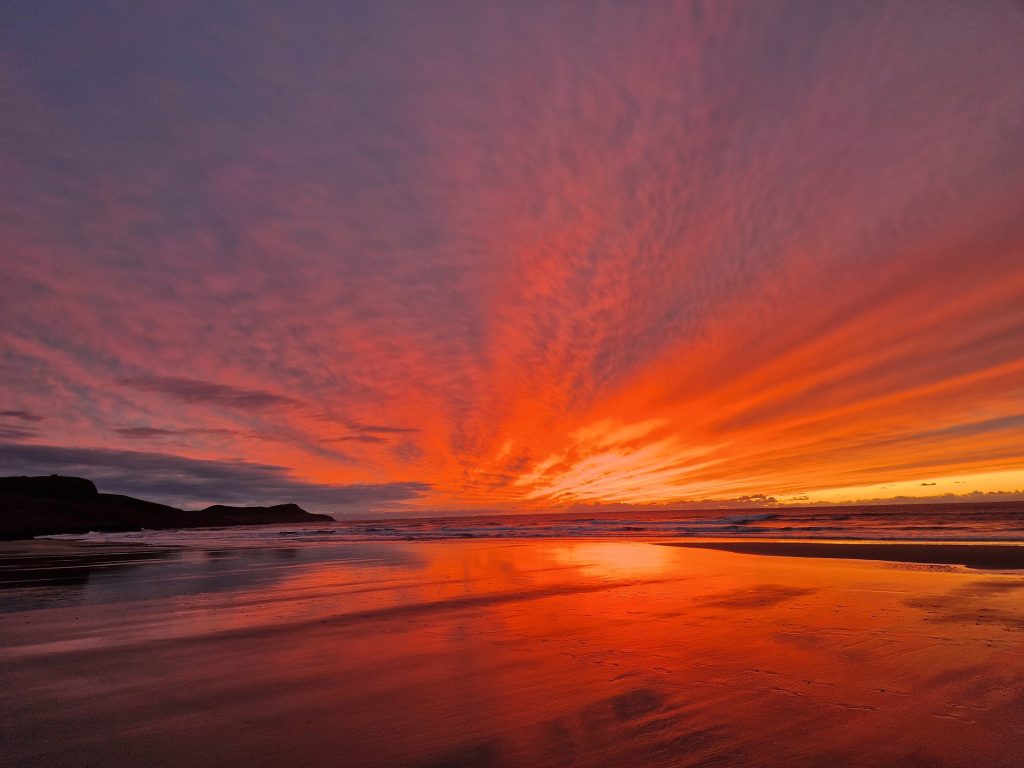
(28, 416)
(8, 432)
(210, 393)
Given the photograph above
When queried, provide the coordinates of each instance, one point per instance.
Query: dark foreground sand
(543, 653)
(986, 556)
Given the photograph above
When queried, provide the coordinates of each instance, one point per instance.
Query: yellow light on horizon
(1007, 481)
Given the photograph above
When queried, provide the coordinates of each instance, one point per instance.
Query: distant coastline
(55, 504)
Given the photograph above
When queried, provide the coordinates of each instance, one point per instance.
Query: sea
(991, 521)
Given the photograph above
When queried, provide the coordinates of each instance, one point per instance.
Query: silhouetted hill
(35, 506)
(279, 513)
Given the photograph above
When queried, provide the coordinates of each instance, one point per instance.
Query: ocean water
(996, 521)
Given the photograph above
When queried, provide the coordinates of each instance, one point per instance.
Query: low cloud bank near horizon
(191, 483)
(769, 502)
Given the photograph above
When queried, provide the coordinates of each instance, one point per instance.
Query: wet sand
(984, 556)
(485, 653)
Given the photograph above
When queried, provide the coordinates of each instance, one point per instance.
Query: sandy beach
(486, 653)
(982, 556)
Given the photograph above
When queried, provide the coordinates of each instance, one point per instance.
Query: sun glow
(1011, 481)
(616, 559)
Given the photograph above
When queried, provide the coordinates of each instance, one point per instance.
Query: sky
(398, 257)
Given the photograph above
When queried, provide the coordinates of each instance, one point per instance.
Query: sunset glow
(393, 258)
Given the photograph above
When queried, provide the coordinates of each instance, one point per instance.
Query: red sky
(380, 257)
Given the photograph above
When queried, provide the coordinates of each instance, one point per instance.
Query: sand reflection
(615, 559)
(528, 654)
